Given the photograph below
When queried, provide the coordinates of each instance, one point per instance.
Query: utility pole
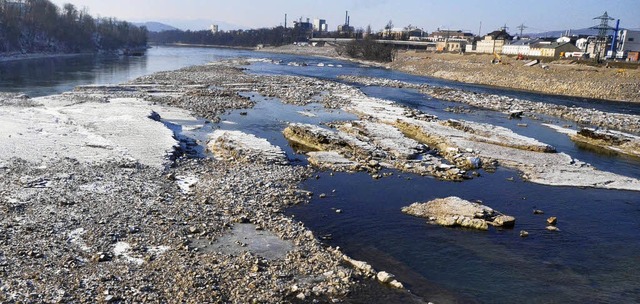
(602, 28)
(521, 28)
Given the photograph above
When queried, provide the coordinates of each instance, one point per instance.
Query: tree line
(363, 46)
(240, 38)
(36, 26)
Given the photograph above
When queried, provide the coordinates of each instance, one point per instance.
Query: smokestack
(285, 20)
(348, 20)
(346, 17)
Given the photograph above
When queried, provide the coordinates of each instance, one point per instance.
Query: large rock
(244, 147)
(454, 211)
(385, 277)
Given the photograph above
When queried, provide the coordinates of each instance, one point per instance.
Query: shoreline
(453, 67)
(205, 46)
(38, 56)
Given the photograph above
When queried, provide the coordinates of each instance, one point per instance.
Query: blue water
(594, 258)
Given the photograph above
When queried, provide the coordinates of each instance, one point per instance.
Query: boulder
(385, 277)
(396, 284)
(504, 221)
(456, 212)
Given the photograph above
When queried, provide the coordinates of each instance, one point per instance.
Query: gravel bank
(508, 105)
(558, 78)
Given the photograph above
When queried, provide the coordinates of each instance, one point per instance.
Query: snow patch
(186, 183)
(122, 249)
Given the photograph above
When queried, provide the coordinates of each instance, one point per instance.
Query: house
(519, 47)
(493, 42)
(456, 46)
(552, 49)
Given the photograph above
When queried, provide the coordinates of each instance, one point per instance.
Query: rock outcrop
(454, 211)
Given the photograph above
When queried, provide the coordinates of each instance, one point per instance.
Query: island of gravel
(100, 203)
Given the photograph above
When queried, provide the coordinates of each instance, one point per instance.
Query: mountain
(156, 26)
(202, 24)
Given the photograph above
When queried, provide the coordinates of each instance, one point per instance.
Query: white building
(519, 47)
(214, 28)
(320, 25)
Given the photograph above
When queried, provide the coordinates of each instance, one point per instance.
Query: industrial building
(320, 25)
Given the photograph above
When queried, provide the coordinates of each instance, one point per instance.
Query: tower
(602, 28)
(521, 27)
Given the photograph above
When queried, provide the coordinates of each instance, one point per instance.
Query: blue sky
(539, 15)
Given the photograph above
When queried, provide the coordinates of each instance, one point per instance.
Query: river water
(594, 258)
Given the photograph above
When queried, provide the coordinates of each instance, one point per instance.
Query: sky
(468, 15)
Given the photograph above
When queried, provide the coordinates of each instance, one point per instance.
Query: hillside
(42, 27)
(156, 27)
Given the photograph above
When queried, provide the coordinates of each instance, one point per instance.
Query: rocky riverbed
(99, 202)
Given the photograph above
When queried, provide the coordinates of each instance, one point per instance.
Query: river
(594, 258)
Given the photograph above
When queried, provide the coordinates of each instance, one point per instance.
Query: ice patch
(121, 249)
(186, 183)
(75, 237)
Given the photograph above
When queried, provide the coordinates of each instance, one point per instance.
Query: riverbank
(207, 46)
(9, 57)
(565, 78)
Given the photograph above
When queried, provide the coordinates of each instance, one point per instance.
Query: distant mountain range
(156, 26)
(192, 25)
(578, 32)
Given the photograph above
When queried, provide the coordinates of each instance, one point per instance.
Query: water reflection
(38, 77)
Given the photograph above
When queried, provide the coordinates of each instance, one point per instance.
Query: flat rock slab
(454, 211)
(245, 238)
(331, 160)
(57, 127)
(240, 146)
